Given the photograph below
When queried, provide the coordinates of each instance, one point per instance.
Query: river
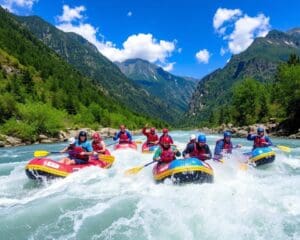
(104, 204)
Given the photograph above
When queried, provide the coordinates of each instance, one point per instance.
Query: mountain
(175, 91)
(85, 57)
(259, 61)
(42, 93)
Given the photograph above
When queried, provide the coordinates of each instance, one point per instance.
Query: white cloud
(71, 14)
(12, 5)
(129, 14)
(169, 67)
(222, 15)
(243, 31)
(203, 56)
(140, 45)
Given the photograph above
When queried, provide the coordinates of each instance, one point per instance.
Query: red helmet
(152, 130)
(96, 136)
(166, 140)
(165, 130)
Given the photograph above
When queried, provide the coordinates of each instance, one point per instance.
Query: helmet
(202, 138)
(193, 137)
(152, 130)
(165, 130)
(122, 127)
(71, 140)
(96, 136)
(82, 133)
(260, 130)
(227, 134)
(166, 140)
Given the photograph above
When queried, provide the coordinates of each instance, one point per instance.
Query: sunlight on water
(104, 204)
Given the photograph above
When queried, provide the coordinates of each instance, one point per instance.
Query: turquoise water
(104, 204)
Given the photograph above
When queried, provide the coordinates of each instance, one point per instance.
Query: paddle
(43, 153)
(283, 148)
(136, 170)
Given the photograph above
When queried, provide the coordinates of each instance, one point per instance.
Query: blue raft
(184, 171)
(261, 156)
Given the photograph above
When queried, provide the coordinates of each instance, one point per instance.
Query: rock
(13, 141)
(2, 144)
(42, 137)
(46, 141)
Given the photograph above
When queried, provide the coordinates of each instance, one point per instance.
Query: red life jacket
(124, 138)
(167, 155)
(151, 138)
(260, 142)
(226, 146)
(97, 146)
(75, 153)
(198, 153)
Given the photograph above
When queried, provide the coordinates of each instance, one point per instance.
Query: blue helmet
(260, 129)
(202, 138)
(227, 134)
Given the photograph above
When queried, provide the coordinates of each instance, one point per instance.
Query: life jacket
(167, 155)
(198, 153)
(124, 138)
(151, 138)
(226, 146)
(97, 146)
(260, 142)
(75, 153)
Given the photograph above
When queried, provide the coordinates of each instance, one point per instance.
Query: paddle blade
(133, 171)
(106, 158)
(40, 153)
(284, 148)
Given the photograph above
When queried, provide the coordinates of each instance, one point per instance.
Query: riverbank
(272, 129)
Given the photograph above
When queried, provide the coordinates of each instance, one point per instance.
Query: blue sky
(187, 38)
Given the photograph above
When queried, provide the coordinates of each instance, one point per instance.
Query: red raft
(126, 146)
(38, 168)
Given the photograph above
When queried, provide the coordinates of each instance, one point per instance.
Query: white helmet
(71, 140)
(193, 137)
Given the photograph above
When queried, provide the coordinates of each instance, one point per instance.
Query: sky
(187, 38)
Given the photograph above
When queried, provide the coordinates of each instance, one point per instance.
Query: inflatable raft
(261, 156)
(126, 146)
(184, 171)
(148, 148)
(46, 167)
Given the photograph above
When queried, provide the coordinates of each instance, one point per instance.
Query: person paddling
(98, 144)
(152, 137)
(166, 153)
(198, 149)
(224, 146)
(80, 152)
(123, 135)
(260, 140)
(192, 142)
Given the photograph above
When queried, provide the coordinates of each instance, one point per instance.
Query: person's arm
(268, 140)
(251, 136)
(116, 137)
(208, 152)
(189, 148)
(144, 131)
(218, 148)
(172, 142)
(65, 149)
(89, 149)
(156, 156)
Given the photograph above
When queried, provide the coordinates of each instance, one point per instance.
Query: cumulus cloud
(222, 15)
(203, 56)
(243, 31)
(71, 14)
(140, 45)
(13, 5)
(129, 14)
